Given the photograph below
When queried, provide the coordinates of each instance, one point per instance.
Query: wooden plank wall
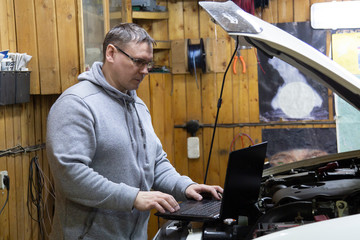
(48, 30)
(24, 125)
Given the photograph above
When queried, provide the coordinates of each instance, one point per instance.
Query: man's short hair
(123, 33)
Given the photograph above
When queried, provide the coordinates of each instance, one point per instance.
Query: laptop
(241, 190)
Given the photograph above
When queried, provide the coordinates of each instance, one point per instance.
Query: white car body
(332, 229)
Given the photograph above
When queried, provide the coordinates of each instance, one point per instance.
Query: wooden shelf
(147, 16)
(142, 15)
(115, 15)
(162, 45)
(150, 15)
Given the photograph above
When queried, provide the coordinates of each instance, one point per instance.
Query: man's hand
(160, 201)
(194, 190)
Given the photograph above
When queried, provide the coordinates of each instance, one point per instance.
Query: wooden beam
(106, 11)
(48, 47)
(81, 40)
(27, 39)
(126, 11)
(68, 43)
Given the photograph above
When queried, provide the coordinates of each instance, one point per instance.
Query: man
(103, 152)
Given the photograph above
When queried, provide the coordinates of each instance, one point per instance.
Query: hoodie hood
(96, 76)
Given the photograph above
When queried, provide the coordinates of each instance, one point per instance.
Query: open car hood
(273, 41)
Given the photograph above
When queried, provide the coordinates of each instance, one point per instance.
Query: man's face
(123, 73)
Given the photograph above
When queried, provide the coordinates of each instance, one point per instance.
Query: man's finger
(159, 208)
(174, 204)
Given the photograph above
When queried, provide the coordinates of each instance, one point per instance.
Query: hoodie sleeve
(167, 179)
(71, 145)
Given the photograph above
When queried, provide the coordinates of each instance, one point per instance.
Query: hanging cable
(35, 187)
(7, 185)
(258, 61)
(242, 140)
(7, 199)
(218, 108)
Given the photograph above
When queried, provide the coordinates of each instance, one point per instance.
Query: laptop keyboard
(204, 209)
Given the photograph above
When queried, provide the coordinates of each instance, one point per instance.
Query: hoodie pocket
(88, 223)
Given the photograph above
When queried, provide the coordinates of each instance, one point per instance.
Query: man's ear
(109, 54)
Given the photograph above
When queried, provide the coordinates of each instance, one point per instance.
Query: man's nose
(144, 69)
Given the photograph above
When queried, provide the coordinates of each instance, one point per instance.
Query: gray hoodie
(102, 150)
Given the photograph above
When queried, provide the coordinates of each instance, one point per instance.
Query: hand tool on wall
(238, 56)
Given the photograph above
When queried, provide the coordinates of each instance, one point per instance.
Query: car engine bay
(324, 190)
(291, 195)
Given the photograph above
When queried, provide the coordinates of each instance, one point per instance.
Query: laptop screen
(243, 181)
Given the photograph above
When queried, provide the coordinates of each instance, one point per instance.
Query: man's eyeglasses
(137, 61)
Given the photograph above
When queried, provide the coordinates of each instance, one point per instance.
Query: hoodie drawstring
(143, 134)
(141, 127)
(127, 123)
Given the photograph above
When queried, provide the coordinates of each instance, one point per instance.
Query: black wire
(19, 149)
(35, 187)
(218, 107)
(7, 199)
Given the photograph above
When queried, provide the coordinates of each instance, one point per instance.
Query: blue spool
(196, 57)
